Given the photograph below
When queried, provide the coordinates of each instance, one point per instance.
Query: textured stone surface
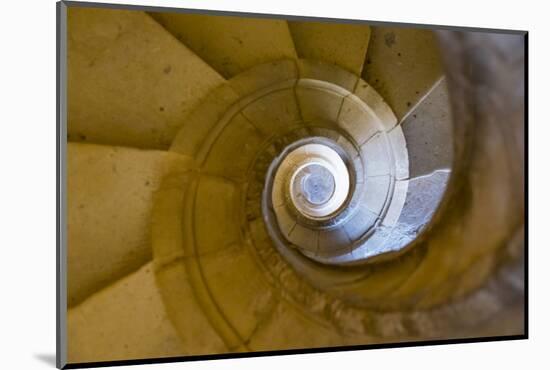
(124, 321)
(373, 288)
(342, 44)
(360, 223)
(360, 169)
(285, 220)
(428, 131)
(376, 156)
(317, 103)
(382, 241)
(336, 240)
(274, 113)
(216, 203)
(304, 237)
(238, 288)
(203, 119)
(264, 75)
(358, 120)
(168, 217)
(424, 195)
(508, 322)
(231, 44)
(129, 81)
(402, 65)
(291, 329)
(322, 71)
(233, 149)
(484, 213)
(396, 203)
(189, 318)
(187, 302)
(400, 153)
(372, 98)
(109, 202)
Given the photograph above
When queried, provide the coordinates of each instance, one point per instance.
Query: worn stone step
(428, 131)
(130, 82)
(289, 327)
(110, 197)
(230, 44)
(337, 43)
(402, 64)
(126, 320)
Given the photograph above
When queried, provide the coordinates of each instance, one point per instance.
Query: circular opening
(317, 179)
(316, 183)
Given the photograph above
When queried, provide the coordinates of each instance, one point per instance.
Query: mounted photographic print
(248, 184)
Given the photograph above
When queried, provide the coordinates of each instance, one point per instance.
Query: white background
(27, 182)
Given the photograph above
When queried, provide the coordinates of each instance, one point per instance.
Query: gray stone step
(402, 65)
(428, 131)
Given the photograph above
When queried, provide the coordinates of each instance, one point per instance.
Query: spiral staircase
(251, 184)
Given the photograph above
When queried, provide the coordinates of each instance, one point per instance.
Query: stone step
(342, 44)
(428, 131)
(130, 82)
(230, 44)
(290, 327)
(110, 192)
(402, 64)
(124, 321)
